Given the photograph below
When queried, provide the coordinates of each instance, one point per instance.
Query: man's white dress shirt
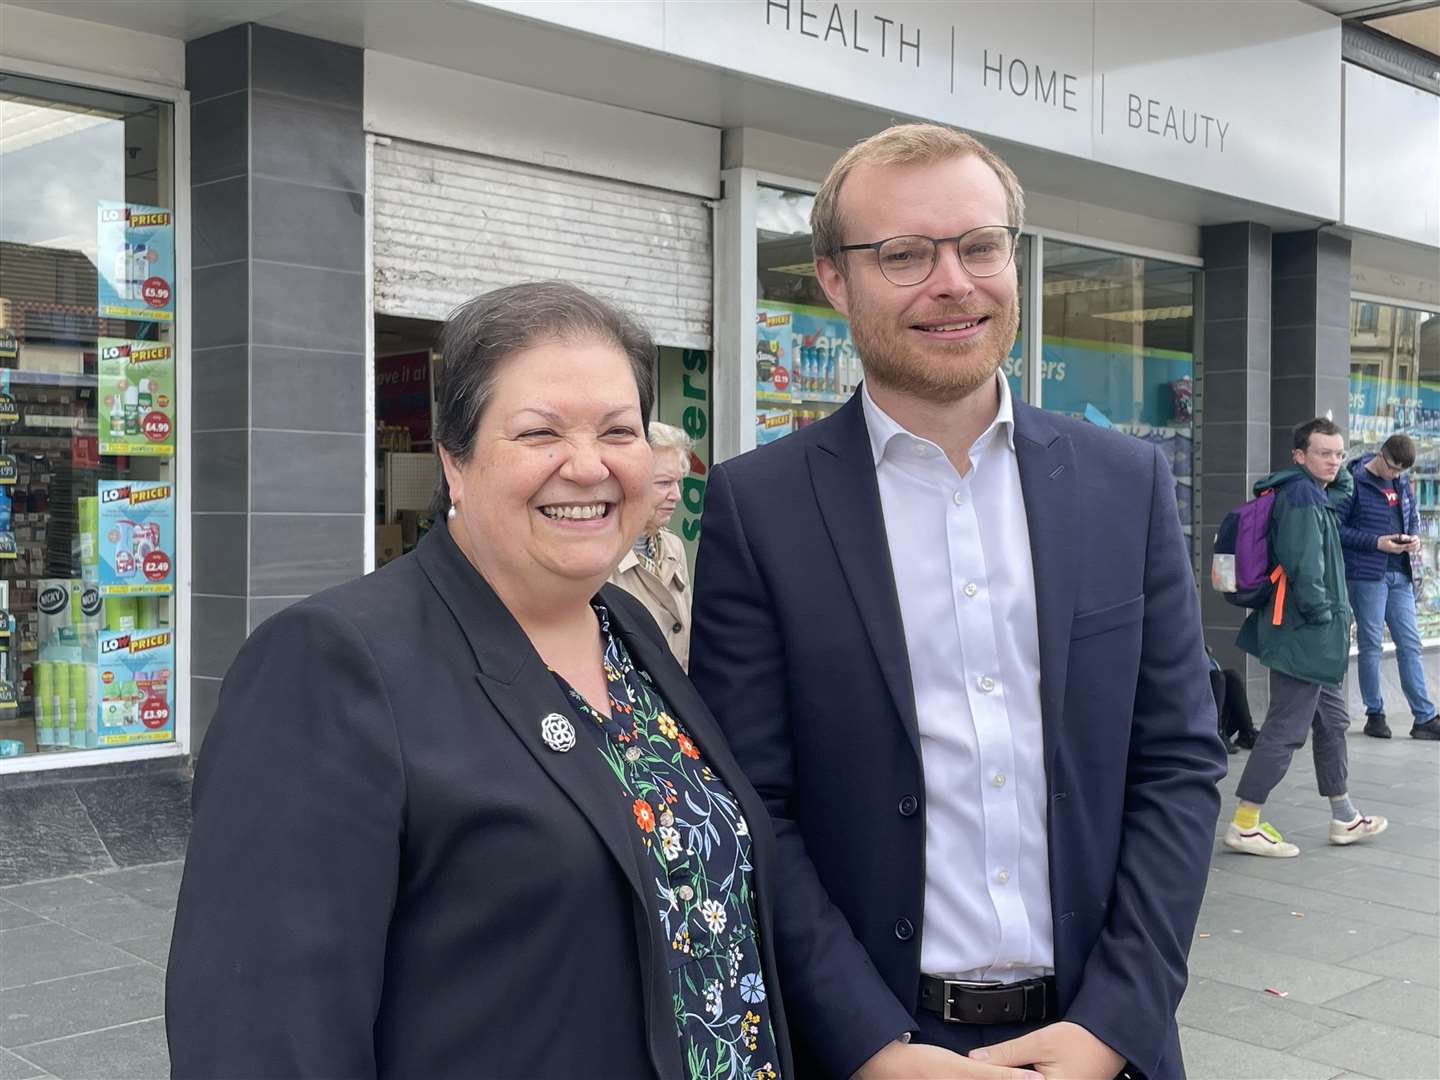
(960, 549)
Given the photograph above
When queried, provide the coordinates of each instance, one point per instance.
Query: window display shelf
(50, 378)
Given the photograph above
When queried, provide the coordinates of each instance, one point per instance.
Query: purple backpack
(1242, 569)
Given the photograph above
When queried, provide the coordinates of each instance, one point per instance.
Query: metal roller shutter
(449, 225)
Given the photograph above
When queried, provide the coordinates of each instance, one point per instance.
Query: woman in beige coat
(654, 571)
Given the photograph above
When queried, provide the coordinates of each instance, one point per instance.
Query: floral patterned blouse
(692, 839)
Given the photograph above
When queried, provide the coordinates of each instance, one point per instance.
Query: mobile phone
(1401, 538)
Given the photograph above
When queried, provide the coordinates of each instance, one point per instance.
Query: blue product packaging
(135, 698)
(136, 258)
(137, 538)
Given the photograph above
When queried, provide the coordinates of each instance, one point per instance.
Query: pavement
(1314, 968)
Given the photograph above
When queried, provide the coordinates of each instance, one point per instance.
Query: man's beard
(947, 371)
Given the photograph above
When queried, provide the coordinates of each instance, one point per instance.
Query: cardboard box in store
(389, 543)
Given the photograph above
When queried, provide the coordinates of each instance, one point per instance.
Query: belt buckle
(963, 984)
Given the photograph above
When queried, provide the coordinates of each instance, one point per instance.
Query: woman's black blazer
(391, 875)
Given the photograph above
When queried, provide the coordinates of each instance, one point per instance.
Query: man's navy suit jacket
(799, 650)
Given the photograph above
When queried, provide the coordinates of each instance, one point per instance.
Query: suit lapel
(524, 692)
(842, 470)
(1047, 482)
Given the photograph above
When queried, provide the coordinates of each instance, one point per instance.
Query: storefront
(1392, 159)
(1186, 183)
(94, 321)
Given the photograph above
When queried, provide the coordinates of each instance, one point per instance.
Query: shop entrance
(407, 363)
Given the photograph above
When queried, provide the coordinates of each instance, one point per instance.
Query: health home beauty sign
(1239, 98)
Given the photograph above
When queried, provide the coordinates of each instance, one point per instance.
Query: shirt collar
(882, 428)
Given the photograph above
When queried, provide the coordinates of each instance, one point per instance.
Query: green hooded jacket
(1312, 641)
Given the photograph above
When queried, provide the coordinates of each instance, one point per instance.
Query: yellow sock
(1247, 815)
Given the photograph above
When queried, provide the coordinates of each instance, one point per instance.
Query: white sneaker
(1361, 828)
(1264, 840)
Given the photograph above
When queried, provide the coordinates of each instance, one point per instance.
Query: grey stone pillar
(1311, 341)
(1234, 412)
(278, 362)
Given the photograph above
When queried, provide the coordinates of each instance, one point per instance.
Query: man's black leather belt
(959, 1002)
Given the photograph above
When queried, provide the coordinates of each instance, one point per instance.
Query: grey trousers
(1297, 707)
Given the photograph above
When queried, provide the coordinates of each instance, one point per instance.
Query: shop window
(88, 357)
(1367, 318)
(407, 470)
(805, 362)
(1395, 387)
(1118, 350)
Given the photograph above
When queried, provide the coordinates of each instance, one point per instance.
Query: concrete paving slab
(47, 897)
(16, 1068)
(1412, 1005)
(1215, 1057)
(1409, 792)
(1223, 911)
(116, 918)
(1241, 962)
(1317, 935)
(1300, 898)
(47, 950)
(51, 1010)
(1415, 892)
(153, 950)
(1380, 852)
(1252, 1016)
(12, 917)
(1306, 899)
(130, 1052)
(157, 885)
(1416, 957)
(1407, 838)
(1382, 1049)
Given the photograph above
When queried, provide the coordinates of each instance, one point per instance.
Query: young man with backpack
(1302, 635)
(1378, 529)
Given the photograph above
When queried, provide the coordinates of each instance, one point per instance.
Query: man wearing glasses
(955, 642)
(1378, 528)
(1303, 636)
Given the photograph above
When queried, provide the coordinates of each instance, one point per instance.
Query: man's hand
(916, 1061)
(1062, 1051)
(1391, 546)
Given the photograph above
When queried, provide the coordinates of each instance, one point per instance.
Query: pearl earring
(451, 512)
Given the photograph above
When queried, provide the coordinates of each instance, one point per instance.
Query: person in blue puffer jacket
(1379, 528)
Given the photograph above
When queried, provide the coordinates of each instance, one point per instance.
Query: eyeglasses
(909, 260)
(1398, 470)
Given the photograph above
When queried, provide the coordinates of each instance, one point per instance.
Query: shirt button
(632, 755)
(998, 779)
(986, 683)
(686, 893)
(908, 805)
(675, 628)
(904, 929)
(959, 498)
(971, 588)
(1002, 876)
(667, 818)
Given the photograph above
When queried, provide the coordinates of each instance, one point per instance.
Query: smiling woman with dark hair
(466, 816)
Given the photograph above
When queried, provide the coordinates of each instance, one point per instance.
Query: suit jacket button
(908, 805)
(904, 929)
